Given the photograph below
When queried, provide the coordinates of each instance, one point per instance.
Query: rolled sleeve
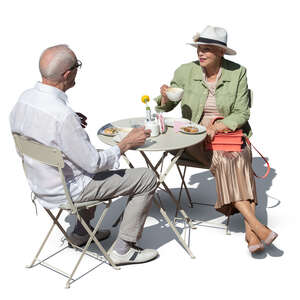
(170, 105)
(110, 158)
(177, 81)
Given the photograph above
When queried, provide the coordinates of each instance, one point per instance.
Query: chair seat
(79, 205)
(190, 163)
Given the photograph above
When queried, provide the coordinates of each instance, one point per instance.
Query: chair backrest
(250, 97)
(44, 154)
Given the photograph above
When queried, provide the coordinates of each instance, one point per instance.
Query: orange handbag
(232, 141)
(227, 141)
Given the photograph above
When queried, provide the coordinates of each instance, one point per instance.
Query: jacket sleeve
(177, 81)
(240, 113)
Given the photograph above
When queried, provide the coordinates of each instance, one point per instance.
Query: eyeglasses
(77, 64)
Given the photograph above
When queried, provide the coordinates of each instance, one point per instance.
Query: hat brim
(228, 51)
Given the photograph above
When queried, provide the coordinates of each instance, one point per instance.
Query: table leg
(127, 161)
(161, 210)
(162, 177)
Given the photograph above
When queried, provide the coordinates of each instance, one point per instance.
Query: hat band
(210, 41)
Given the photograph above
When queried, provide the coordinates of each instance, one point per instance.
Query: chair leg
(92, 237)
(58, 225)
(185, 186)
(46, 238)
(180, 192)
(227, 226)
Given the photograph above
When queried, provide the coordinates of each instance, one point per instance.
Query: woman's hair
(54, 61)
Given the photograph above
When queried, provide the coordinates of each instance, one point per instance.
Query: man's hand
(164, 98)
(83, 119)
(135, 138)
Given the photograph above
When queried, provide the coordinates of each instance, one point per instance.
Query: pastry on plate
(190, 129)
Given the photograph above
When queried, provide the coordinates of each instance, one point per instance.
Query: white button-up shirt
(42, 114)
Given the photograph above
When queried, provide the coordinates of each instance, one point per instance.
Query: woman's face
(209, 55)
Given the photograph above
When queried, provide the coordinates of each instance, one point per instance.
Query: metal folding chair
(53, 157)
(187, 163)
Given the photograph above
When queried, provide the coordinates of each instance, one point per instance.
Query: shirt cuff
(117, 152)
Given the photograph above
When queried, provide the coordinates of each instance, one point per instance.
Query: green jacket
(231, 94)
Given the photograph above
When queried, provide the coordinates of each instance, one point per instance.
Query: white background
(130, 48)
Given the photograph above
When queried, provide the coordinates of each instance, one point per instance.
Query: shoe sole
(83, 244)
(135, 263)
(271, 238)
(258, 250)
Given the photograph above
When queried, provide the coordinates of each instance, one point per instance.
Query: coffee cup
(174, 93)
(153, 126)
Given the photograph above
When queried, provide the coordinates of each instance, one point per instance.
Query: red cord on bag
(268, 165)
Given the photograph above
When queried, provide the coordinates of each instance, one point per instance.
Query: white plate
(200, 128)
(109, 125)
(118, 130)
(170, 121)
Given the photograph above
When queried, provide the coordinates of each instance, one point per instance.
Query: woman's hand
(211, 131)
(164, 98)
(220, 127)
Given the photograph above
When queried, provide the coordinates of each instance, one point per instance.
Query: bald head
(54, 61)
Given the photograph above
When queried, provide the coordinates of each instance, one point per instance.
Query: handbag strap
(268, 169)
(216, 118)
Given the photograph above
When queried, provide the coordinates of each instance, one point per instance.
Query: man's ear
(66, 74)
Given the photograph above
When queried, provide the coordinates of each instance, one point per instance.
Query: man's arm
(76, 145)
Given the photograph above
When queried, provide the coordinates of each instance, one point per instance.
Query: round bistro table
(168, 141)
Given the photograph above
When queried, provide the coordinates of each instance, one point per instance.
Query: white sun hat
(216, 36)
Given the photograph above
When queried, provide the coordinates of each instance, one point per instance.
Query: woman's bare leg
(250, 235)
(246, 209)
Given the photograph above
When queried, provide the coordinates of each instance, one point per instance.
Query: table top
(170, 140)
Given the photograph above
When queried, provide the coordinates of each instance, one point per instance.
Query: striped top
(210, 109)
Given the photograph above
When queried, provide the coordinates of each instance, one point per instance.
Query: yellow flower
(145, 99)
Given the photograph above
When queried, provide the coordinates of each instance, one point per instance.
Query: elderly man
(42, 114)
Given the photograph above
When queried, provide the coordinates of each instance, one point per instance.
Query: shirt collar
(45, 88)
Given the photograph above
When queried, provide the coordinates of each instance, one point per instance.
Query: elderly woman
(216, 87)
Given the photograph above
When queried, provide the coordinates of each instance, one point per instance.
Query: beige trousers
(139, 183)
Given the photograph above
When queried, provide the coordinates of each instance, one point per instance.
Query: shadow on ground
(203, 190)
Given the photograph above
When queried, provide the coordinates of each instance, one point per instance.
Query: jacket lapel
(225, 75)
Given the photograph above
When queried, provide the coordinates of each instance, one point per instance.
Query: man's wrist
(124, 146)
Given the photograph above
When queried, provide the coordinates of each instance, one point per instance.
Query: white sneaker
(80, 240)
(135, 255)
